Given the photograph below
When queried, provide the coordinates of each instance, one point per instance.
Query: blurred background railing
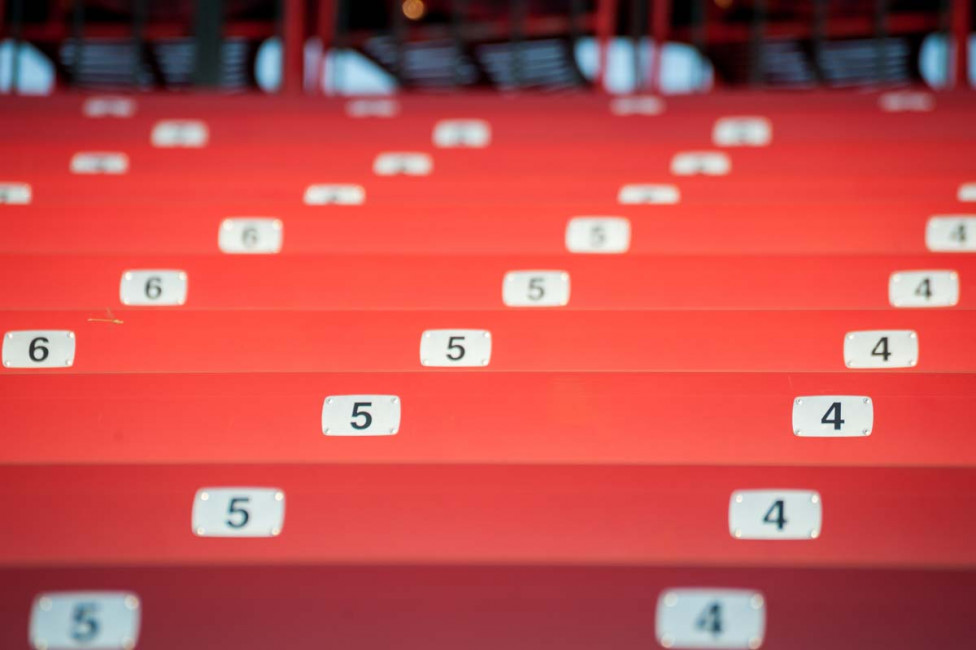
(382, 46)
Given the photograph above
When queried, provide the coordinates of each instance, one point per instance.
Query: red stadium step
(548, 417)
(785, 229)
(344, 282)
(124, 341)
(484, 608)
(140, 514)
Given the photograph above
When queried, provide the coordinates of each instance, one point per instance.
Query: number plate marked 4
(710, 618)
(775, 514)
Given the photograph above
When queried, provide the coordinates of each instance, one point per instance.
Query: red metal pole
(324, 30)
(660, 15)
(293, 46)
(961, 22)
(606, 23)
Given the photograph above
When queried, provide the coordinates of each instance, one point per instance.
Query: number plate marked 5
(462, 133)
(15, 193)
(361, 415)
(99, 163)
(601, 235)
(706, 163)
(455, 348)
(180, 133)
(408, 164)
(742, 132)
(238, 512)
(536, 289)
(85, 619)
(652, 194)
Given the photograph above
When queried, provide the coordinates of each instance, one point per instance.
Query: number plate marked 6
(153, 287)
(775, 514)
(361, 415)
(39, 349)
(833, 416)
(85, 619)
(250, 235)
(710, 618)
(335, 194)
(881, 349)
(455, 348)
(238, 512)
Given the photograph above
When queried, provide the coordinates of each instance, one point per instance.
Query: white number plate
(335, 195)
(39, 349)
(967, 192)
(906, 100)
(654, 194)
(462, 133)
(85, 619)
(455, 348)
(833, 416)
(153, 287)
(99, 163)
(250, 235)
(881, 349)
(180, 133)
(361, 415)
(710, 618)
(707, 163)
(372, 108)
(775, 514)
(109, 107)
(535, 289)
(15, 193)
(951, 233)
(409, 164)
(638, 105)
(598, 235)
(742, 132)
(923, 289)
(238, 512)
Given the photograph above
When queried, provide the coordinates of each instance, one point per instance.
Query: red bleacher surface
(554, 470)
